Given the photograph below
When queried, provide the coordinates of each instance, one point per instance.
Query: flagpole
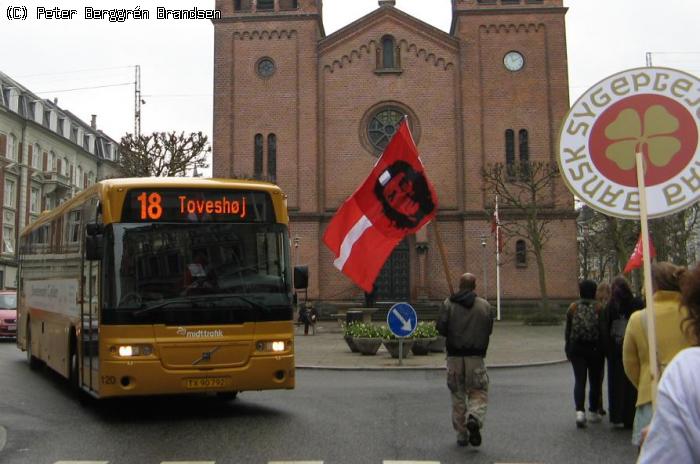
(498, 263)
(646, 256)
(443, 256)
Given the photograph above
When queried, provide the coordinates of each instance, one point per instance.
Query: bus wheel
(73, 378)
(227, 396)
(33, 361)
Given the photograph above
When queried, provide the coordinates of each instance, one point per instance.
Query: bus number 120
(150, 206)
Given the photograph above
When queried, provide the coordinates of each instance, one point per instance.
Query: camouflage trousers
(469, 385)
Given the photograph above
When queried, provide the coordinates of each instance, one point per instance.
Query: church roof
(380, 14)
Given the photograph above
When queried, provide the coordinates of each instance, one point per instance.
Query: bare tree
(162, 154)
(525, 192)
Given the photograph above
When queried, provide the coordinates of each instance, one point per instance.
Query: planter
(351, 343)
(368, 346)
(392, 346)
(438, 346)
(421, 346)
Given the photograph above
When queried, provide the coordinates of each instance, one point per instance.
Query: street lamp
(483, 260)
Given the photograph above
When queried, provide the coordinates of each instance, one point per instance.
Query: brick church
(312, 112)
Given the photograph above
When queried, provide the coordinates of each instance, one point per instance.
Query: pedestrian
(602, 295)
(670, 339)
(674, 435)
(622, 395)
(466, 321)
(584, 349)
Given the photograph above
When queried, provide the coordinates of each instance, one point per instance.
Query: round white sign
(652, 110)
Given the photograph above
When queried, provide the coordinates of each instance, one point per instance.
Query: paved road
(332, 417)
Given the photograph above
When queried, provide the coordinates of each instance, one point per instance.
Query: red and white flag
(496, 228)
(395, 200)
(637, 258)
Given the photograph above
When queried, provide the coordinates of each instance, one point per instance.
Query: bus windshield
(214, 273)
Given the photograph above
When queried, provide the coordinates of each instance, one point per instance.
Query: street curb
(3, 437)
(425, 368)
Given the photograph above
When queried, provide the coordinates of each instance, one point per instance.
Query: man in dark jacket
(466, 321)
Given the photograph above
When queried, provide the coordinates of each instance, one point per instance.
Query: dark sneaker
(462, 440)
(474, 433)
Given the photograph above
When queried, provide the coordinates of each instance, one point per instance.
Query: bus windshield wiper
(147, 308)
(195, 301)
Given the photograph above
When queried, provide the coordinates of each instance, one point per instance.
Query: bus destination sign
(176, 205)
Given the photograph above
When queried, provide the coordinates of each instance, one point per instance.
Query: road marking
(294, 462)
(81, 462)
(411, 462)
(188, 462)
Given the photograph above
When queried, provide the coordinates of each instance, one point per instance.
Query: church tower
(514, 83)
(265, 93)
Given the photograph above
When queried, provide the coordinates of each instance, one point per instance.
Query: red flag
(637, 257)
(395, 200)
(496, 229)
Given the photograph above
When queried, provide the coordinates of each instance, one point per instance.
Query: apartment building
(47, 155)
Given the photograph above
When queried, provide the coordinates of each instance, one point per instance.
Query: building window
(382, 127)
(73, 226)
(34, 200)
(8, 238)
(242, 5)
(272, 157)
(79, 179)
(258, 160)
(12, 147)
(266, 4)
(510, 147)
(9, 198)
(265, 67)
(523, 144)
(388, 56)
(47, 118)
(36, 154)
(65, 167)
(288, 4)
(520, 253)
(60, 125)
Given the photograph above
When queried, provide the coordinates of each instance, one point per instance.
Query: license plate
(206, 382)
(12, 328)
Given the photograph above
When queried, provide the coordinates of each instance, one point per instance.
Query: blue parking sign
(402, 319)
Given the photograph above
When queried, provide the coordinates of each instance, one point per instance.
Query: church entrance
(393, 282)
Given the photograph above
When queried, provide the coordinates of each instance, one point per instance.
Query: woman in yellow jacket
(670, 338)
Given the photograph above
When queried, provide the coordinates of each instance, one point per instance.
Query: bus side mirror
(301, 277)
(93, 247)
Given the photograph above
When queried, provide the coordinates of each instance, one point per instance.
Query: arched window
(272, 157)
(388, 48)
(523, 145)
(520, 253)
(258, 160)
(510, 147)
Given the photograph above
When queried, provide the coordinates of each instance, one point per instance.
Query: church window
(288, 4)
(272, 157)
(524, 146)
(242, 5)
(510, 147)
(258, 159)
(266, 4)
(265, 67)
(382, 126)
(388, 56)
(520, 253)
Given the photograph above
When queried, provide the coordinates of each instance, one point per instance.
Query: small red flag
(395, 200)
(637, 258)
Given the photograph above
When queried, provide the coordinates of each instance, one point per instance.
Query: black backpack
(584, 322)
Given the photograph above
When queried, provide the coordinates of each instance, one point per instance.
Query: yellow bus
(161, 286)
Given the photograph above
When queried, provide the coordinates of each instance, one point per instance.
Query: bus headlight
(275, 346)
(128, 351)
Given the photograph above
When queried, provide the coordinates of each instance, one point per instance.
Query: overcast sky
(51, 57)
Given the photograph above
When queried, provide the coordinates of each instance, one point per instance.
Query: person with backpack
(584, 349)
(622, 395)
(670, 339)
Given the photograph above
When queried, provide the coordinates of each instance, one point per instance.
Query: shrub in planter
(347, 335)
(366, 337)
(391, 343)
(424, 335)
